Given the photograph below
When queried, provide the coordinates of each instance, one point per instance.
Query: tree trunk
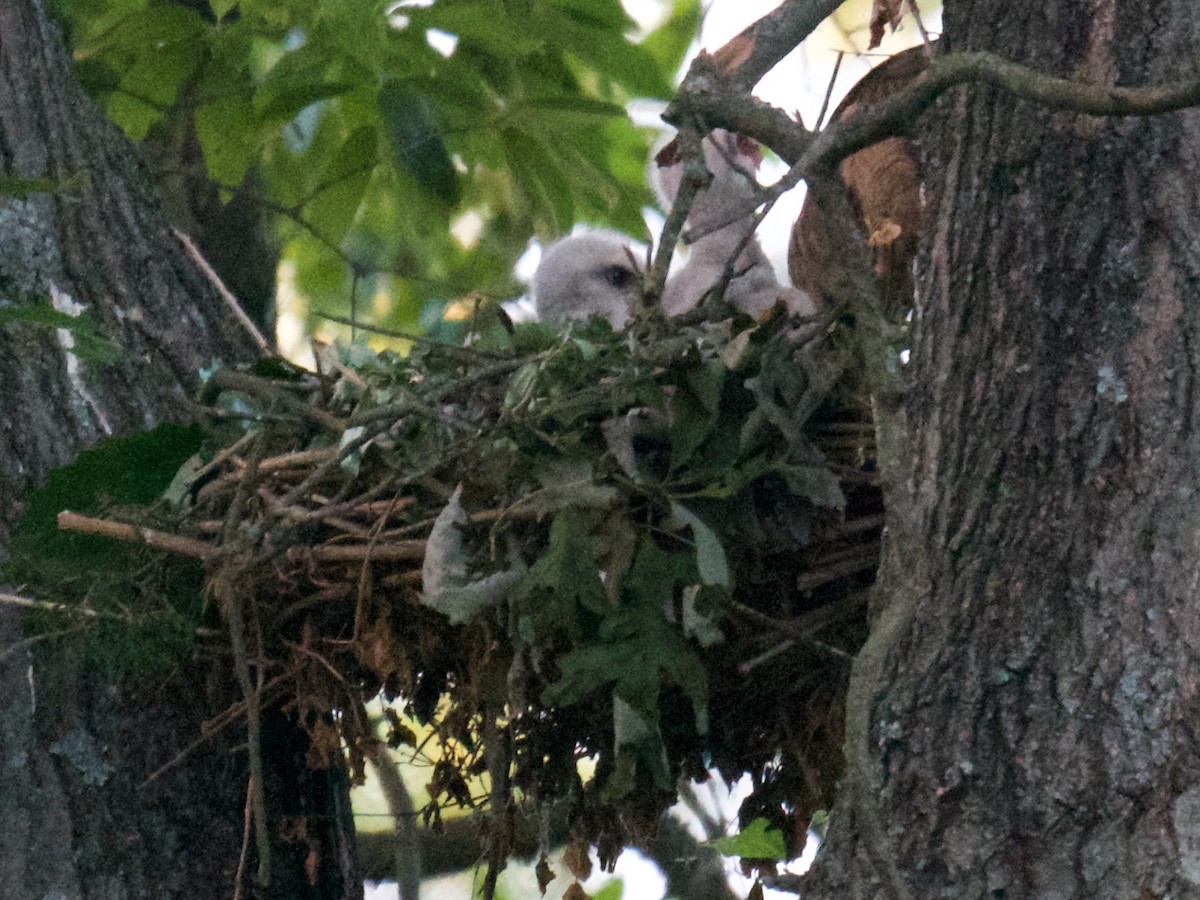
(77, 817)
(1023, 721)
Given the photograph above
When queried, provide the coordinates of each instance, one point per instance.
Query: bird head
(587, 275)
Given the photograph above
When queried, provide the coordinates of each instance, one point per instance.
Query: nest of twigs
(649, 548)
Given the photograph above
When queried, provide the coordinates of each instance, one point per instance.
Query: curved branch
(894, 115)
(715, 97)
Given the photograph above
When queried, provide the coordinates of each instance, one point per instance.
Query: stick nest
(649, 548)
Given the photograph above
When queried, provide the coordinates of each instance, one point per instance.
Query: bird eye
(618, 277)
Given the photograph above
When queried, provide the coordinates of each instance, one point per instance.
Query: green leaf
(231, 137)
(572, 26)
(603, 15)
(569, 482)
(88, 342)
(221, 7)
(638, 650)
(757, 840)
(695, 408)
(564, 580)
(129, 471)
(343, 183)
(572, 106)
(134, 116)
(710, 555)
(816, 484)
(669, 43)
(75, 185)
(486, 23)
(283, 101)
(410, 121)
(541, 179)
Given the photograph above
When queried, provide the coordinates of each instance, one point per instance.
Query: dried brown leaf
(883, 12)
(880, 234)
(324, 746)
(575, 892)
(544, 873)
(378, 650)
(577, 860)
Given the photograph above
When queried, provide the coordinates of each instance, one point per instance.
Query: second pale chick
(723, 216)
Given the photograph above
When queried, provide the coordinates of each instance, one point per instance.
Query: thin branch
(231, 301)
(240, 876)
(695, 176)
(120, 531)
(30, 603)
(894, 115)
(837, 67)
(229, 588)
(396, 551)
(475, 352)
(713, 97)
(275, 392)
(211, 729)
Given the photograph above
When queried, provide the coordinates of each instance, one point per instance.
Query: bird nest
(647, 547)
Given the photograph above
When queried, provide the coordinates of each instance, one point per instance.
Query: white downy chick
(585, 275)
(723, 212)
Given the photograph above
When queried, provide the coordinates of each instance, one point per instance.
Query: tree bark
(78, 818)
(1023, 721)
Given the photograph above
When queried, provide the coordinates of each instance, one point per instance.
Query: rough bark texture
(107, 247)
(1023, 722)
(77, 819)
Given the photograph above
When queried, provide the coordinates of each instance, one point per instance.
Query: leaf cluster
(131, 612)
(370, 135)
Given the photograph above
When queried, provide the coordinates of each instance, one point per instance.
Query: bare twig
(499, 761)
(837, 66)
(120, 531)
(231, 301)
(275, 391)
(475, 352)
(229, 588)
(240, 876)
(754, 52)
(926, 42)
(895, 114)
(396, 551)
(694, 177)
(30, 603)
(211, 729)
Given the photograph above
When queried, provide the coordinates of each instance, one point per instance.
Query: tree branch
(895, 115)
(714, 96)
(757, 50)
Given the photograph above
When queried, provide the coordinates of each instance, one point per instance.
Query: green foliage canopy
(375, 126)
